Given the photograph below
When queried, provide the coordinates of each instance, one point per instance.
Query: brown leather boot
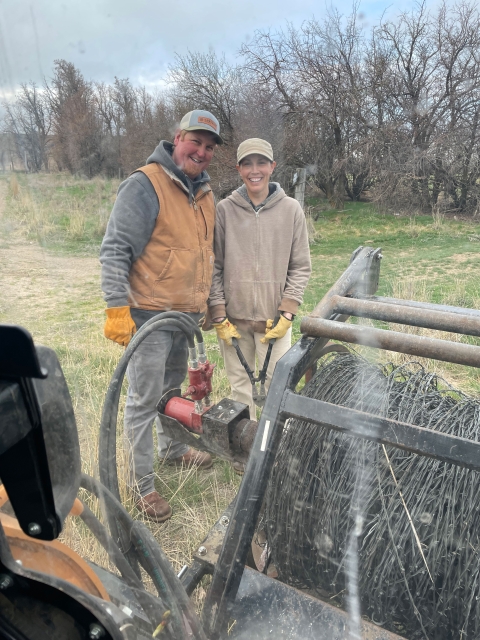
(154, 507)
(238, 467)
(193, 458)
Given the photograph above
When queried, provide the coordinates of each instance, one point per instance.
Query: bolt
(96, 631)
(5, 581)
(34, 529)
(224, 520)
(220, 406)
(232, 410)
(202, 551)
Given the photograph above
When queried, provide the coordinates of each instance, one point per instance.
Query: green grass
(424, 259)
(413, 247)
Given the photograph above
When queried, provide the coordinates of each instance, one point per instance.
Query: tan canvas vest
(175, 269)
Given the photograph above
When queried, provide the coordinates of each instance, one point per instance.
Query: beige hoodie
(262, 259)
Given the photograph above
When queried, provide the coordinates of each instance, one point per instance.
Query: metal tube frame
(352, 294)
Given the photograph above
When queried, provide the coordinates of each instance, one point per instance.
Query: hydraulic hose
(153, 560)
(108, 426)
(153, 613)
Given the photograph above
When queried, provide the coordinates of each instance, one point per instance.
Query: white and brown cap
(203, 120)
(254, 145)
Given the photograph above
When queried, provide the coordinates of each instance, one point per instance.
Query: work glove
(226, 331)
(119, 326)
(278, 331)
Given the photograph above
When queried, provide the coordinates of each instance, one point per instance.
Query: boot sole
(155, 518)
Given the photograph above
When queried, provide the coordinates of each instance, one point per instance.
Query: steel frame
(351, 295)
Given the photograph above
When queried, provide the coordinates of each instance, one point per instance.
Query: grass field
(51, 229)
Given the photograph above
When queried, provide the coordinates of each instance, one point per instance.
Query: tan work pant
(251, 346)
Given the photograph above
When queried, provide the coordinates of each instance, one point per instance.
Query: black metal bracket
(23, 459)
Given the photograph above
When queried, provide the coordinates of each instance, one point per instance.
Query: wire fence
(419, 518)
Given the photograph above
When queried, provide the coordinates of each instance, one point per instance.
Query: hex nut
(224, 521)
(5, 581)
(202, 551)
(96, 631)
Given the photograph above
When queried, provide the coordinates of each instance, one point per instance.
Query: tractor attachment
(253, 593)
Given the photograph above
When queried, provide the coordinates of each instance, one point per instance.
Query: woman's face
(255, 171)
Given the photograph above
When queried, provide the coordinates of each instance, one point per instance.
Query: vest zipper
(201, 250)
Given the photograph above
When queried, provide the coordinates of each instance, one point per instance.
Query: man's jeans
(158, 365)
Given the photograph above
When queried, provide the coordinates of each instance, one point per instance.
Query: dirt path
(37, 284)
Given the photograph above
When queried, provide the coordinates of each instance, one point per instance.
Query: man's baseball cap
(254, 145)
(204, 120)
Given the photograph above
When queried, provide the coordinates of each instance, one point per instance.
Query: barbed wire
(419, 560)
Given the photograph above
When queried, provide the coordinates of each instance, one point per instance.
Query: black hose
(118, 559)
(153, 550)
(108, 425)
(152, 558)
(188, 322)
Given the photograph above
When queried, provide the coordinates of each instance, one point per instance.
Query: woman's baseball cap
(254, 145)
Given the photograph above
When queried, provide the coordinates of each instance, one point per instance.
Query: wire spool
(418, 518)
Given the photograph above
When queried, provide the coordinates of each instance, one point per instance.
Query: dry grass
(59, 209)
(57, 297)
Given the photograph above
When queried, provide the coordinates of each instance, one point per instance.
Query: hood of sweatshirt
(240, 196)
(163, 155)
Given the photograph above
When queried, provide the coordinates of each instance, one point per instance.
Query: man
(157, 256)
(262, 266)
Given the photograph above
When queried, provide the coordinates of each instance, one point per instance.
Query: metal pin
(34, 529)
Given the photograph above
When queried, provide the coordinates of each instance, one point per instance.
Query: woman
(262, 266)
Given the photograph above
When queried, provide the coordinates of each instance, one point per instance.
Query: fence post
(300, 186)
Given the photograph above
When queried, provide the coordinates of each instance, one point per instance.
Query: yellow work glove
(226, 331)
(119, 326)
(278, 331)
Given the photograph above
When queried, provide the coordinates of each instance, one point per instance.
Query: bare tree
(28, 121)
(434, 81)
(77, 127)
(207, 81)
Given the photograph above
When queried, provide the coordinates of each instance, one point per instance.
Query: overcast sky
(138, 38)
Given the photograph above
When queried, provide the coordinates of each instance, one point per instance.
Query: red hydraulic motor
(190, 412)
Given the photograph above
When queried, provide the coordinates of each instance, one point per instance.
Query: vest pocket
(175, 285)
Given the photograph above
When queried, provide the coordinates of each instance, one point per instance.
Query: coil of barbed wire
(419, 548)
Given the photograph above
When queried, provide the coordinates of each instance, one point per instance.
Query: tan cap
(201, 120)
(254, 145)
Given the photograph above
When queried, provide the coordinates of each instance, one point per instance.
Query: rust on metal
(419, 346)
(243, 436)
(51, 558)
(428, 318)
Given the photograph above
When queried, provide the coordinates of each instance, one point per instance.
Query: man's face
(193, 154)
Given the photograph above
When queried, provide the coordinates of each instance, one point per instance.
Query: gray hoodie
(132, 222)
